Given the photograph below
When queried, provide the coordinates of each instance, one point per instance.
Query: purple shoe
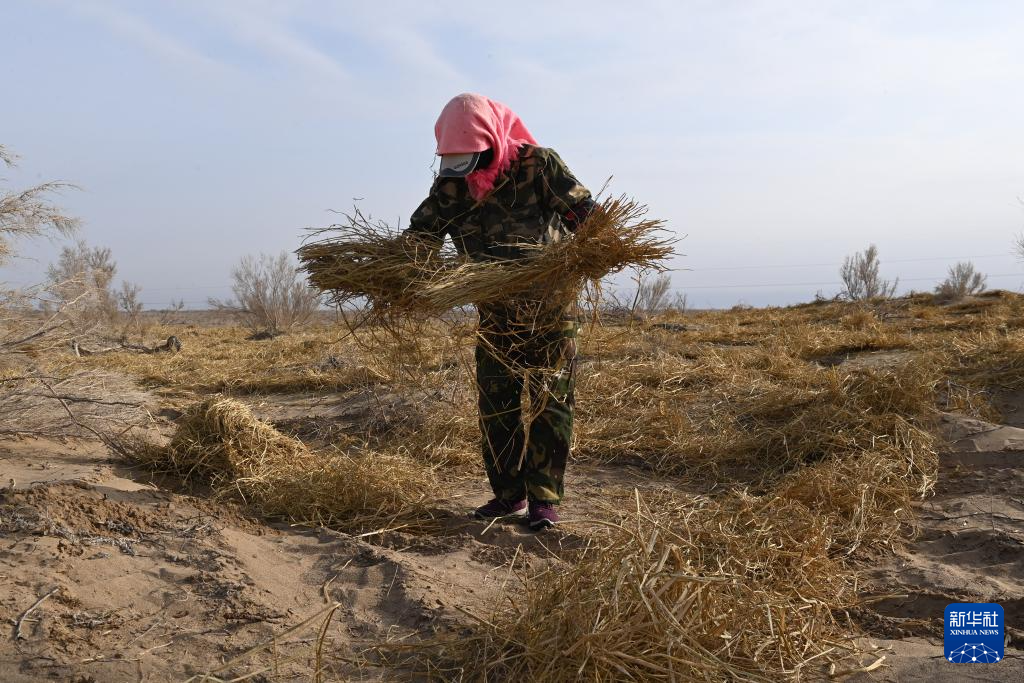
(542, 515)
(496, 508)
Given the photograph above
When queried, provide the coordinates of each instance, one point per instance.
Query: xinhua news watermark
(974, 633)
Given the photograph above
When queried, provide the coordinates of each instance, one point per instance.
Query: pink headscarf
(473, 123)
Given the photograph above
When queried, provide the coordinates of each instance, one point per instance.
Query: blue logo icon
(974, 633)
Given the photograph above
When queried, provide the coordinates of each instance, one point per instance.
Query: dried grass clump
(746, 414)
(742, 589)
(990, 359)
(220, 442)
(400, 274)
(837, 413)
(865, 499)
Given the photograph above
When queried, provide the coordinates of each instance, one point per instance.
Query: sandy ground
(147, 583)
(970, 549)
(143, 581)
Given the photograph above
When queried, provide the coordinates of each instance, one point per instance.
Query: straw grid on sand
(801, 461)
(807, 463)
(748, 585)
(804, 464)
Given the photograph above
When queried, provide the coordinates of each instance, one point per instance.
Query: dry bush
(221, 443)
(678, 304)
(23, 328)
(649, 297)
(962, 281)
(861, 278)
(81, 282)
(652, 295)
(29, 213)
(172, 315)
(270, 295)
(130, 310)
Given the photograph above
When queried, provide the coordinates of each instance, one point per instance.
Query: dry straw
(808, 461)
(745, 586)
(400, 274)
(220, 442)
(740, 589)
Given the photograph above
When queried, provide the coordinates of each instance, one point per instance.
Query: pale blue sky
(771, 133)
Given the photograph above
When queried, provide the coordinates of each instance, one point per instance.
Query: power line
(833, 264)
(164, 303)
(191, 287)
(826, 284)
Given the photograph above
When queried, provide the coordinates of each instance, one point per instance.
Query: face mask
(486, 159)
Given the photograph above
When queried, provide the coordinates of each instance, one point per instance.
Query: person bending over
(497, 191)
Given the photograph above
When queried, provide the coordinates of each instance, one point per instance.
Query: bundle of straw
(219, 441)
(401, 274)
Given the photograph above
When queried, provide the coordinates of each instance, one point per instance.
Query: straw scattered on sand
(221, 443)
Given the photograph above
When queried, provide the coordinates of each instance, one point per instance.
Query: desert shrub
(28, 213)
(271, 295)
(615, 303)
(961, 281)
(678, 304)
(130, 310)
(81, 288)
(653, 293)
(81, 284)
(172, 314)
(78, 294)
(861, 278)
(649, 296)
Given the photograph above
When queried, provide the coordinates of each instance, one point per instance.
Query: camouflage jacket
(537, 200)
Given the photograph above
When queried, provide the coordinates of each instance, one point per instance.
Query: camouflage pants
(525, 447)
